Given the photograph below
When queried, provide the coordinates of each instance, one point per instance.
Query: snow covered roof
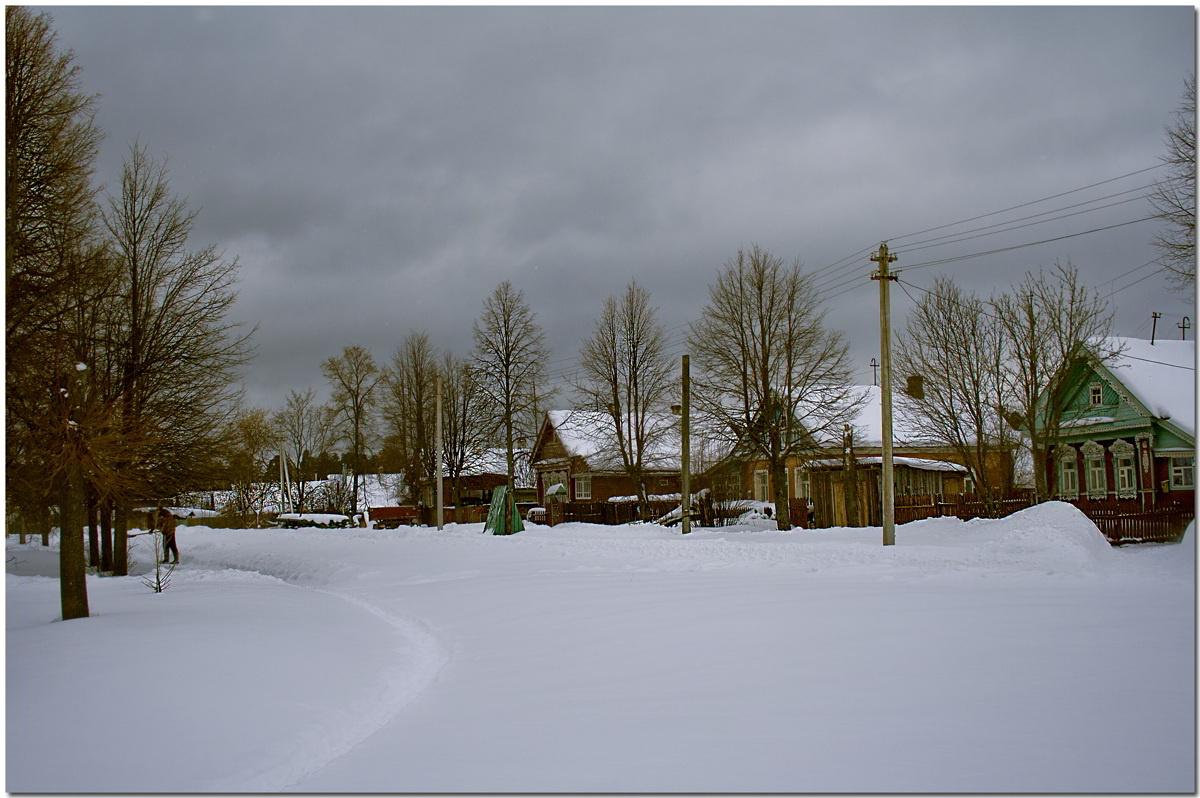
(868, 422)
(590, 435)
(919, 463)
(1161, 376)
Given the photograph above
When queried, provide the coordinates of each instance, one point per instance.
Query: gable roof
(1161, 377)
(590, 435)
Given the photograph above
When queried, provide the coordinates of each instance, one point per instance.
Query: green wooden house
(1128, 429)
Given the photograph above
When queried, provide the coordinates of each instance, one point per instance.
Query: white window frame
(1095, 395)
(800, 483)
(1097, 478)
(583, 487)
(1126, 474)
(1068, 483)
(1183, 473)
(765, 484)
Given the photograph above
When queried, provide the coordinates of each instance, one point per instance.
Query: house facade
(1127, 429)
(577, 449)
(918, 468)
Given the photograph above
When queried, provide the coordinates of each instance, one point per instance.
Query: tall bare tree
(304, 429)
(1048, 320)
(770, 378)
(1174, 197)
(510, 362)
(957, 346)
(407, 407)
(465, 442)
(354, 377)
(176, 352)
(627, 375)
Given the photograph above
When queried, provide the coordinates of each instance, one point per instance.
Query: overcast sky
(381, 169)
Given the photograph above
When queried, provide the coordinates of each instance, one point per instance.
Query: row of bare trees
(120, 359)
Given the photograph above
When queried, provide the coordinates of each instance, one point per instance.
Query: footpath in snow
(1023, 654)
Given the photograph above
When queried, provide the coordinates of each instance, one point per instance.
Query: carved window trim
(1096, 477)
(1096, 394)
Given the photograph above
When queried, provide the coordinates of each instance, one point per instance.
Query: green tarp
(503, 518)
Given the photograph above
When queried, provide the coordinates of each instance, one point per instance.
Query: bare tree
(628, 377)
(771, 379)
(408, 405)
(958, 347)
(304, 429)
(510, 361)
(354, 377)
(176, 354)
(1048, 320)
(1174, 197)
(464, 439)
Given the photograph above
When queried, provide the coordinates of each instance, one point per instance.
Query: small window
(761, 486)
(1070, 478)
(1183, 473)
(1126, 477)
(1096, 480)
(583, 488)
(800, 480)
(1096, 395)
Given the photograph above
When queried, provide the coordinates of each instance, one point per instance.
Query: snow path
(419, 657)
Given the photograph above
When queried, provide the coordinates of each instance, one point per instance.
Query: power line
(1027, 204)
(1029, 244)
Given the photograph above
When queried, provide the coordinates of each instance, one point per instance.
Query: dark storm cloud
(377, 170)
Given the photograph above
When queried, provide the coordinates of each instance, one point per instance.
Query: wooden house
(577, 449)
(919, 468)
(1128, 424)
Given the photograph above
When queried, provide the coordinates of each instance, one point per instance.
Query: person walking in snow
(166, 525)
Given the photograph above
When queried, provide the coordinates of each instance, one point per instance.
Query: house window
(760, 486)
(1069, 482)
(968, 483)
(1126, 476)
(583, 488)
(1096, 482)
(800, 480)
(1096, 394)
(1183, 473)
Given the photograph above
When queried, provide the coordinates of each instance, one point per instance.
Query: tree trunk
(106, 535)
(120, 564)
(93, 532)
(783, 516)
(72, 573)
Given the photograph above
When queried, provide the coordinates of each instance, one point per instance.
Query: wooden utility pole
(438, 453)
(685, 455)
(1154, 317)
(1183, 328)
(888, 489)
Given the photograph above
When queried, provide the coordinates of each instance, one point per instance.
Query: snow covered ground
(1023, 654)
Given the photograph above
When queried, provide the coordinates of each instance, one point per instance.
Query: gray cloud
(380, 169)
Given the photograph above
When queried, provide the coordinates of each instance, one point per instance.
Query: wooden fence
(612, 513)
(1122, 521)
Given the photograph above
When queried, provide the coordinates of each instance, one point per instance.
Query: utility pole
(1183, 328)
(685, 455)
(1154, 317)
(874, 372)
(438, 454)
(885, 367)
